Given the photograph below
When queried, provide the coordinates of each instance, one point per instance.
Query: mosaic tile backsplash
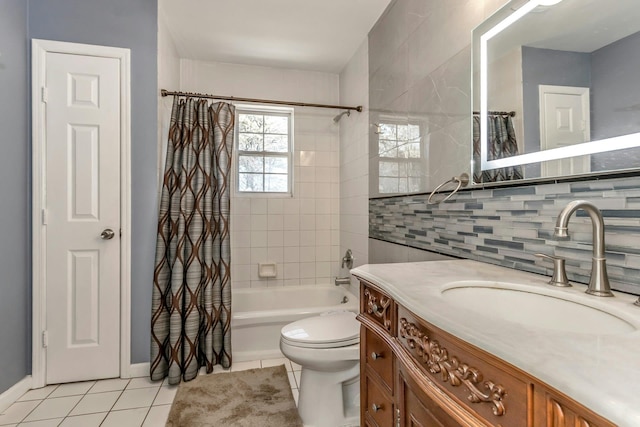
(508, 226)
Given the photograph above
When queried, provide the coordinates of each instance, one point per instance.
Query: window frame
(264, 110)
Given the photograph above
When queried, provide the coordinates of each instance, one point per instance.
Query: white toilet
(327, 347)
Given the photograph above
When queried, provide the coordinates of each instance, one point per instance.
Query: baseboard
(15, 392)
(139, 370)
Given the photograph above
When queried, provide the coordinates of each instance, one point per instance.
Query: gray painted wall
(615, 96)
(547, 67)
(133, 25)
(15, 258)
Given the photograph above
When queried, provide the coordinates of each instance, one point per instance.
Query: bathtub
(258, 315)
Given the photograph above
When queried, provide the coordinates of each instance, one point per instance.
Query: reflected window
(400, 150)
(264, 154)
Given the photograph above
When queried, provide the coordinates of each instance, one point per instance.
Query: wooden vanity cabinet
(414, 374)
(377, 367)
(416, 408)
(479, 383)
(553, 409)
(378, 308)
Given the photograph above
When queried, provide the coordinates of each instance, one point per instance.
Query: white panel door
(564, 121)
(82, 181)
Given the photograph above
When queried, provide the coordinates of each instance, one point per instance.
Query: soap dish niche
(267, 270)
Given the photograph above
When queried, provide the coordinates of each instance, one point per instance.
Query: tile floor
(135, 402)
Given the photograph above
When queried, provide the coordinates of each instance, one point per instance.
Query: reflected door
(83, 218)
(564, 121)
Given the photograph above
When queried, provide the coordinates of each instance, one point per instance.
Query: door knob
(107, 234)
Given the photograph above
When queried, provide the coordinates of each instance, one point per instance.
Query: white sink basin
(528, 307)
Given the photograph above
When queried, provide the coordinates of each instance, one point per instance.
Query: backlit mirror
(556, 89)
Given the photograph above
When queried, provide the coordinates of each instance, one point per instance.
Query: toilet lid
(332, 329)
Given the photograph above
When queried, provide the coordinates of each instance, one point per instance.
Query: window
(265, 146)
(400, 151)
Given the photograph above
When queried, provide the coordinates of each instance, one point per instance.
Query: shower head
(337, 118)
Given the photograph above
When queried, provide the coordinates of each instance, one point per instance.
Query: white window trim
(263, 109)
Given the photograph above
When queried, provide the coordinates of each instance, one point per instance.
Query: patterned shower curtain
(501, 143)
(191, 306)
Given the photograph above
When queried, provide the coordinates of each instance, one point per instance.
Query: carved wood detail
(583, 423)
(556, 416)
(438, 360)
(379, 309)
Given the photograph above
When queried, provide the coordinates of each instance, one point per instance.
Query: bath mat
(251, 398)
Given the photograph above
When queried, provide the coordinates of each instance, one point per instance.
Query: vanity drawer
(377, 306)
(481, 383)
(379, 405)
(418, 410)
(379, 358)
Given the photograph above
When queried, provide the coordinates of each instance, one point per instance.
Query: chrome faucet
(559, 277)
(599, 281)
(347, 259)
(342, 281)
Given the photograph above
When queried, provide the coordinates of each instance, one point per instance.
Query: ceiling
(318, 35)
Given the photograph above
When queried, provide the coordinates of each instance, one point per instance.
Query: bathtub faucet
(342, 281)
(347, 259)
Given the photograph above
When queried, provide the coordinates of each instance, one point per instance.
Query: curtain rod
(165, 92)
(497, 113)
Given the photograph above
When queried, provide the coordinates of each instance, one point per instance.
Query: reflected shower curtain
(191, 305)
(501, 143)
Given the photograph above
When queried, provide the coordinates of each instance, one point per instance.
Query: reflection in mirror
(502, 142)
(568, 71)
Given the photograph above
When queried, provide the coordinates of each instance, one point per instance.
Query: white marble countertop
(602, 372)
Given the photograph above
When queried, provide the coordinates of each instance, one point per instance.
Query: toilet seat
(329, 330)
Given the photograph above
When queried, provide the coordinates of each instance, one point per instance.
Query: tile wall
(508, 226)
(301, 234)
(419, 74)
(419, 68)
(354, 159)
